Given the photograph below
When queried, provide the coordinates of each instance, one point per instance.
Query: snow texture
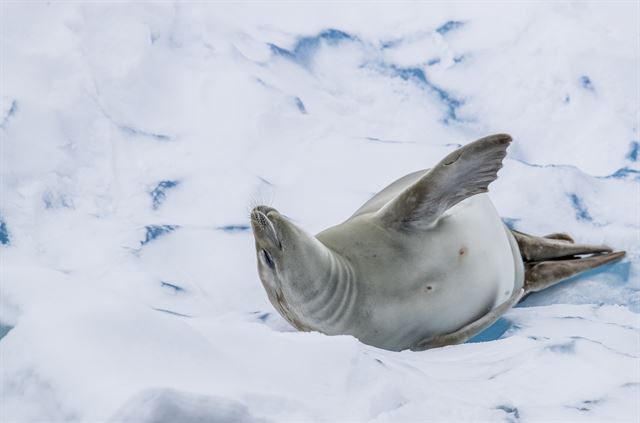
(137, 136)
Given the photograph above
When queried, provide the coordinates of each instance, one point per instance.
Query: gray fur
(426, 262)
(465, 172)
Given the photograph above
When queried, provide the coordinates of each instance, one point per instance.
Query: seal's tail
(553, 258)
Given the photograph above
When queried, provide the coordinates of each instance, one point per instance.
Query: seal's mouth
(264, 228)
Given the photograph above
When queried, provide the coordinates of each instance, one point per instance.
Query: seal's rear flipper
(560, 236)
(543, 274)
(554, 246)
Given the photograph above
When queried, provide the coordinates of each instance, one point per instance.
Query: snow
(136, 137)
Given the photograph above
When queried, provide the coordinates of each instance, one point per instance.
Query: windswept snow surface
(136, 138)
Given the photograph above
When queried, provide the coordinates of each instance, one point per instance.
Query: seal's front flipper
(543, 274)
(467, 171)
(469, 331)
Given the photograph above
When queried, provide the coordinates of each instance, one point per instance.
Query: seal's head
(290, 262)
(268, 238)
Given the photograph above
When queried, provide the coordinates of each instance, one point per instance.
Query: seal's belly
(455, 274)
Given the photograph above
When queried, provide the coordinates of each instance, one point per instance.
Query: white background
(309, 108)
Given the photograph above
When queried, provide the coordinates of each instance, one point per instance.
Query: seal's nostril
(258, 217)
(264, 228)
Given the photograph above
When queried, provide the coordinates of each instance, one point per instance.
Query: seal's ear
(467, 171)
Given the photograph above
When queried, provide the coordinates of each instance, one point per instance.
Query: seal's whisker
(261, 198)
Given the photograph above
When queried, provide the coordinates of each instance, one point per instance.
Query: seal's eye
(268, 259)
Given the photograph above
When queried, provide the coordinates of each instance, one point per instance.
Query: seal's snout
(264, 209)
(260, 216)
(259, 219)
(263, 228)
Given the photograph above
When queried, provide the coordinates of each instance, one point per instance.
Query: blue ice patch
(283, 52)
(433, 61)
(384, 141)
(233, 228)
(155, 231)
(581, 210)
(409, 73)
(564, 348)
(300, 105)
(458, 59)
(12, 111)
(586, 83)
(47, 199)
(173, 313)
(158, 194)
(620, 270)
(510, 222)
(449, 26)
(513, 415)
(305, 47)
(4, 330)
(493, 332)
(129, 130)
(262, 316)
(623, 173)
(418, 75)
(634, 150)
(587, 405)
(390, 43)
(52, 201)
(4, 233)
(265, 181)
(175, 288)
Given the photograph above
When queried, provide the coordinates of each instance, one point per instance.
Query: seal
(426, 262)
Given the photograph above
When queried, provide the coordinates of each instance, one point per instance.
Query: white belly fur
(435, 282)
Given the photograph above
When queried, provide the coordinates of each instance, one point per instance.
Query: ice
(167, 405)
(136, 137)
